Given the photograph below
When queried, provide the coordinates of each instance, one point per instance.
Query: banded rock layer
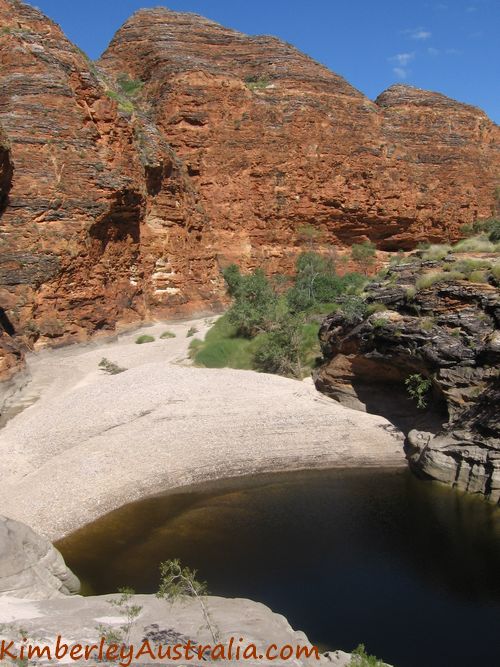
(118, 205)
(447, 334)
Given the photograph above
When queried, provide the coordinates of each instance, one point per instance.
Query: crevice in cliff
(5, 323)
(122, 222)
(6, 174)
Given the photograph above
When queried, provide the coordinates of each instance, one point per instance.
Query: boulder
(30, 567)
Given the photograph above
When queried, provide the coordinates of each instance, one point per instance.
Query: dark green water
(409, 568)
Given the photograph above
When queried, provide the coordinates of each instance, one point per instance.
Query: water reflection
(348, 556)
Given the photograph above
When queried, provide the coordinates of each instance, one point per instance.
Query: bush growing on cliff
(253, 82)
(126, 93)
(430, 279)
(129, 87)
(364, 255)
(354, 308)
(418, 388)
(489, 227)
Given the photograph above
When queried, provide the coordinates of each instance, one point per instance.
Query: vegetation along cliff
(423, 349)
(127, 184)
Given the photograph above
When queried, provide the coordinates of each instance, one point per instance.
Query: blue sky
(451, 46)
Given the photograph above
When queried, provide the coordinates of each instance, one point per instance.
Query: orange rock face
(273, 140)
(115, 207)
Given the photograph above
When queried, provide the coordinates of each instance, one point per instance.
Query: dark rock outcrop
(446, 335)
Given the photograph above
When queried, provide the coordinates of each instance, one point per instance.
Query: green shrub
(191, 332)
(477, 277)
(308, 234)
(436, 252)
(256, 82)
(255, 306)
(410, 293)
(145, 338)
(380, 322)
(127, 91)
(194, 347)
(354, 308)
(490, 227)
(495, 270)
(110, 367)
(418, 387)
(129, 87)
(316, 282)
(375, 308)
(494, 231)
(475, 244)
(222, 348)
(233, 279)
(364, 254)
(280, 350)
(469, 264)
(228, 353)
(360, 658)
(178, 581)
(167, 334)
(430, 279)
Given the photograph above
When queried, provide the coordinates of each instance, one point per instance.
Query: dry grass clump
(430, 279)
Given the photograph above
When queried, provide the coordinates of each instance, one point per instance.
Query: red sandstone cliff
(114, 206)
(274, 140)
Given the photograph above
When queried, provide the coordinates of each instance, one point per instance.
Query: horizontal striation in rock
(273, 140)
(448, 334)
(115, 207)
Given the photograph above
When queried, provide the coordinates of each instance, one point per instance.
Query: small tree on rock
(177, 582)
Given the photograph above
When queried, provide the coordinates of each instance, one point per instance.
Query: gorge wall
(445, 334)
(126, 184)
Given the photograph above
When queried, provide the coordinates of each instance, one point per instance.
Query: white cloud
(432, 51)
(418, 33)
(421, 34)
(402, 59)
(400, 72)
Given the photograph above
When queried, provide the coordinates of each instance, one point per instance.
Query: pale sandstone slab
(94, 442)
